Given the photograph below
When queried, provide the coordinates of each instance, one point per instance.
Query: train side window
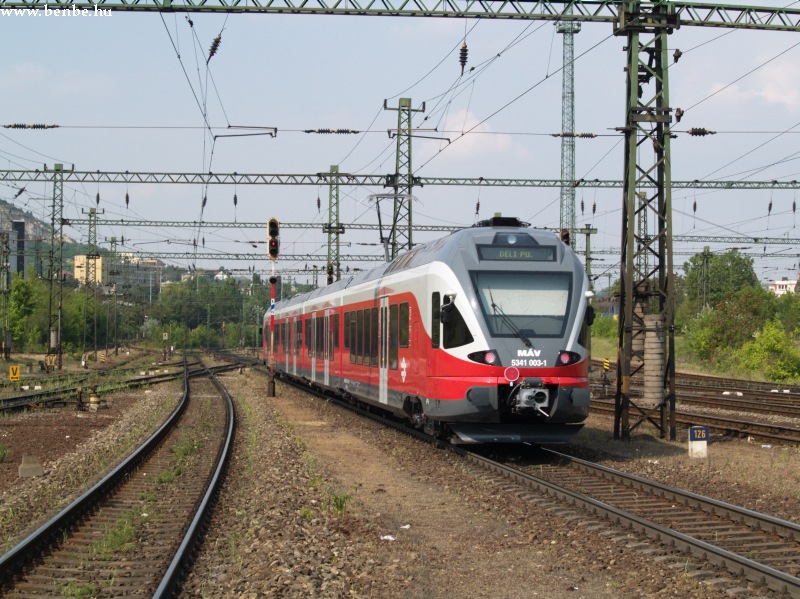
(393, 337)
(456, 332)
(404, 324)
(308, 325)
(351, 337)
(359, 337)
(367, 338)
(320, 341)
(347, 330)
(586, 328)
(374, 338)
(436, 310)
(335, 331)
(298, 340)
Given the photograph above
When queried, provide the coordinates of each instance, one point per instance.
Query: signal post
(273, 248)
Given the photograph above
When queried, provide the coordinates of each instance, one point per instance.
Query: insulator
(594, 208)
(676, 55)
(477, 207)
(194, 242)
(235, 200)
(462, 58)
(97, 198)
(214, 47)
(769, 208)
(204, 241)
(127, 199)
(700, 132)
(581, 206)
(694, 206)
(794, 207)
(678, 114)
(205, 199)
(319, 204)
(34, 126)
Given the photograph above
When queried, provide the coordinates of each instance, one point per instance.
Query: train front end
(528, 295)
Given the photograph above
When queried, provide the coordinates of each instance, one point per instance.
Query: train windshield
(524, 304)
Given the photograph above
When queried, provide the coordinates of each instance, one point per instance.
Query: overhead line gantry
(336, 178)
(647, 302)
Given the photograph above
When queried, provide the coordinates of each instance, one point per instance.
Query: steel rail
(29, 547)
(179, 563)
(761, 430)
(58, 395)
(736, 564)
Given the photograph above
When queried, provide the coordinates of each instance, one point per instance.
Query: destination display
(529, 253)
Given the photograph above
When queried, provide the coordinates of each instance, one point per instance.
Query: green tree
(716, 331)
(772, 353)
(711, 278)
(27, 312)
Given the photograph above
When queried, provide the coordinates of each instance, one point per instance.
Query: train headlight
(489, 357)
(565, 358)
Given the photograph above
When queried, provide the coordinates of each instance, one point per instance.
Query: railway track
(763, 549)
(133, 532)
(676, 523)
(69, 390)
(762, 431)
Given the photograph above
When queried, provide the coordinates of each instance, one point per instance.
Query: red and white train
(477, 337)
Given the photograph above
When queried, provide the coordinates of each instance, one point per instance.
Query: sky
(129, 92)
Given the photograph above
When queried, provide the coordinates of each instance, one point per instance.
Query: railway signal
(274, 247)
(274, 243)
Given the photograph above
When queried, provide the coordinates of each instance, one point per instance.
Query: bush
(605, 327)
(772, 353)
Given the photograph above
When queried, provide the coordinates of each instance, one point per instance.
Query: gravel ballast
(320, 503)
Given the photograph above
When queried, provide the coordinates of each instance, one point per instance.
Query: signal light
(274, 249)
(329, 272)
(274, 243)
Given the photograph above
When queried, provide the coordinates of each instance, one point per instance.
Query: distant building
(86, 272)
(606, 306)
(130, 276)
(783, 286)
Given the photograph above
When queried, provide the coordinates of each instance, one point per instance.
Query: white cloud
(21, 77)
(778, 84)
(472, 144)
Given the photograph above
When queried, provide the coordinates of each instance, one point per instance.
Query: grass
(73, 589)
(185, 448)
(118, 539)
(339, 503)
(169, 475)
(4, 453)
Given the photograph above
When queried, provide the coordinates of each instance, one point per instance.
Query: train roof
(443, 249)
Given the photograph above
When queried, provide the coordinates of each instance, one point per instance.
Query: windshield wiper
(498, 311)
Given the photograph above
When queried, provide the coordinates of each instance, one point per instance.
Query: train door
(383, 357)
(327, 350)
